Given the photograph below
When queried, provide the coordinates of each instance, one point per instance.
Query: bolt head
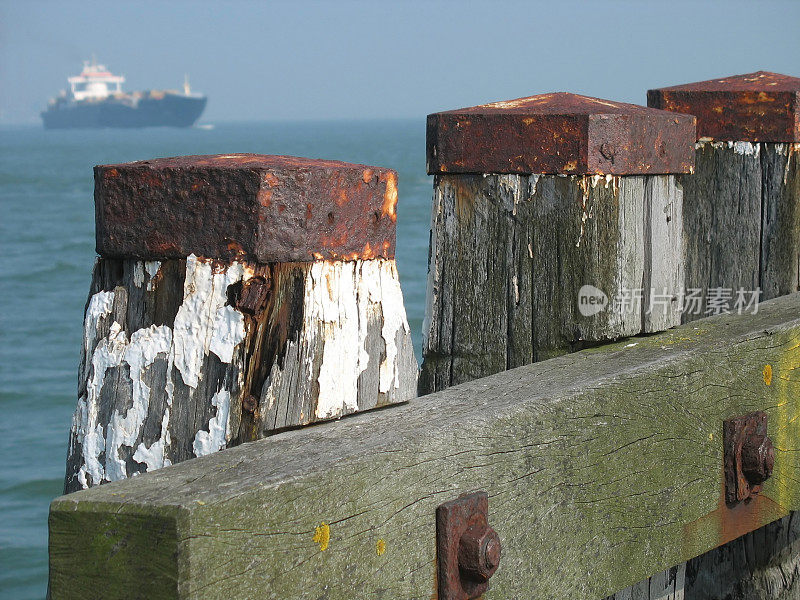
(479, 553)
(758, 459)
(250, 403)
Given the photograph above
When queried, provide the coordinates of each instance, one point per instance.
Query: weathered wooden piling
(234, 295)
(556, 224)
(742, 206)
(742, 227)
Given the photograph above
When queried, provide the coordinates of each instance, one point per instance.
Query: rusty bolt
(254, 296)
(608, 151)
(479, 553)
(467, 549)
(250, 403)
(749, 456)
(758, 458)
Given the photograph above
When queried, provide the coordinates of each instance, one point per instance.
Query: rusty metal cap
(560, 133)
(246, 206)
(757, 107)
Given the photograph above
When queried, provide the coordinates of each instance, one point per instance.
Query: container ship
(96, 100)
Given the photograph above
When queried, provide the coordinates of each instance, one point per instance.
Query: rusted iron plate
(749, 456)
(247, 206)
(757, 107)
(467, 549)
(560, 133)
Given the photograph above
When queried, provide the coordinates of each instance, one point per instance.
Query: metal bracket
(749, 456)
(467, 549)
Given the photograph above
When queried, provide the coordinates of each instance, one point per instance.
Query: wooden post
(556, 224)
(742, 226)
(234, 295)
(742, 206)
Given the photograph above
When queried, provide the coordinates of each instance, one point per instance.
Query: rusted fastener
(758, 458)
(468, 550)
(749, 456)
(250, 404)
(254, 296)
(479, 553)
(608, 151)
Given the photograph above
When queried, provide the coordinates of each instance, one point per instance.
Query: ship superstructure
(95, 83)
(95, 99)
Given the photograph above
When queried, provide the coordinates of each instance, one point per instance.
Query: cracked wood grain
(603, 467)
(742, 218)
(510, 254)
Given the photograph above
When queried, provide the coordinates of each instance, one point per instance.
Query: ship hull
(171, 110)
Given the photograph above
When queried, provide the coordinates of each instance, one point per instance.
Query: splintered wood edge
(603, 467)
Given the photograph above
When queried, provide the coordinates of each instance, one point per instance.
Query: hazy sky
(353, 59)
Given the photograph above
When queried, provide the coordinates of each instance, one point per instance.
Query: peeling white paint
(339, 300)
(93, 446)
(204, 296)
(745, 148)
(100, 306)
(793, 151)
(394, 320)
(227, 333)
(152, 267)
(513, 186)
(144, 347)
(608, 181)
(203, 324)
(149, 267)
(207, 442)
(741, 148)
(107, 354)
(138, 273)
(331, 299)
(585, 211)
(533, 181)
(153, 456)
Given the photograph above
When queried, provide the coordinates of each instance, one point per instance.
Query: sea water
(46, 257)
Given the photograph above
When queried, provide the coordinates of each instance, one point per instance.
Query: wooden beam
(602, 468)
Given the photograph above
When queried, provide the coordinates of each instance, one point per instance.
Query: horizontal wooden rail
(602, 468)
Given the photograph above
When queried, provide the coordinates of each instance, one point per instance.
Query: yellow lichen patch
(380, 547)
(767, 373)
(322, 536)
(784, 428)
